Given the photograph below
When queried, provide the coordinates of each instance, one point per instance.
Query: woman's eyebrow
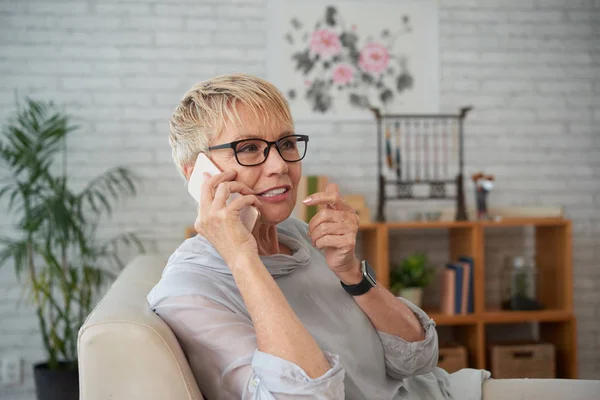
(241, 136)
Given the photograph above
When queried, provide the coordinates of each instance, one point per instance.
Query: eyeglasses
(251, 152)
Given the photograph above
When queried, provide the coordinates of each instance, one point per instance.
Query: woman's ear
(187, 171)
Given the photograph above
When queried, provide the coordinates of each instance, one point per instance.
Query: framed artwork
(335, 60)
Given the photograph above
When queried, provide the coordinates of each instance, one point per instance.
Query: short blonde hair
(208, 106)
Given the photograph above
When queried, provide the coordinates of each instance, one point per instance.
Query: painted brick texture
(531, 68)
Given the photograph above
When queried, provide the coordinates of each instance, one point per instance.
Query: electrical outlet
(11, 369)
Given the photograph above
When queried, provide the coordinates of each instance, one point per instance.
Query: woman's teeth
(274, 192)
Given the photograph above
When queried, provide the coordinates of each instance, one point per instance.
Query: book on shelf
(447, 294)
(464, 301)
(469, 260)
(458, 283)
(456, 287)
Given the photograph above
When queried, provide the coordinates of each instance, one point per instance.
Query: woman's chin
(273, 217)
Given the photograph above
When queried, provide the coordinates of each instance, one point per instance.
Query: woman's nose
(274, 162)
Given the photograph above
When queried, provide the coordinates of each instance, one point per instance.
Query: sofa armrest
(125, 350)
(535, 389)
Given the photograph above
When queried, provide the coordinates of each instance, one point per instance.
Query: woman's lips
(275, 198)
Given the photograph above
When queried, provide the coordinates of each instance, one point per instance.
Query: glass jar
(519, 284)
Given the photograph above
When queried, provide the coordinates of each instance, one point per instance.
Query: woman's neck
(267, 240)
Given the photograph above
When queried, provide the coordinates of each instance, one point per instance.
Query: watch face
(369, 273)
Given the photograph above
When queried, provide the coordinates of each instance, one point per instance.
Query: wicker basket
(531, 360)
(452, 358)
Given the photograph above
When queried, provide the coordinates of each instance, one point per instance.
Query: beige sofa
(127, 352)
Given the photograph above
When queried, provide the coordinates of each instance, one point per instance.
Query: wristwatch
(367, 282)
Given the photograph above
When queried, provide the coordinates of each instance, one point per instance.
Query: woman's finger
(325, 215)
(225, 189)
(244, 201)
(341, 242)
(328, 215)
(209, 186)
(331, 197)
(215, 180)
(332, 228)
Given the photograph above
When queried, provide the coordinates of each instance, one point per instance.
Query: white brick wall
(530, 68)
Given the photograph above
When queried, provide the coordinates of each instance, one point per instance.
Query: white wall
(530, 68)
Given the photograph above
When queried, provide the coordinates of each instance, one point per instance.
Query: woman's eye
(248, 148)
(289, 144)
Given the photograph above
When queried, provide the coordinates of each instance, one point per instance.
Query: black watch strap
(365, 285)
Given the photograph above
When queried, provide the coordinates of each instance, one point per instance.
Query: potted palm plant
(54, 249)
(408, 278)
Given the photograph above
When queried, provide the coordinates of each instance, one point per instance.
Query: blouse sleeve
(221, 348)
(404, 359)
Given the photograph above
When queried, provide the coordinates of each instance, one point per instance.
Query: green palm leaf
(57, 250)
(15, 250)
(117, 182)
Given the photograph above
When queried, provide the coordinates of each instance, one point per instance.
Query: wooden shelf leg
(473, 337)
(563, 336)
(376, 252)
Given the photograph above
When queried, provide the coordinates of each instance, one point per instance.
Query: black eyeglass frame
(233, 145)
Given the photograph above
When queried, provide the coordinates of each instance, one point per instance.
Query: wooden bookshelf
(557, 324)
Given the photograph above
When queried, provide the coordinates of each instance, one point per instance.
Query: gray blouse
(198, 298)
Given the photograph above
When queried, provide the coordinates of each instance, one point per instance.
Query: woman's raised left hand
(334, 230)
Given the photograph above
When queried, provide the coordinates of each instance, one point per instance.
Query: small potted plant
(408, 278)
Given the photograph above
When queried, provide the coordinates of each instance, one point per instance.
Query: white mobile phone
(248, 215)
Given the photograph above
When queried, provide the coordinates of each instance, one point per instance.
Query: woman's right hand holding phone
(220, 222)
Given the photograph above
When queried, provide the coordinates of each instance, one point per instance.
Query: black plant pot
(61, 384)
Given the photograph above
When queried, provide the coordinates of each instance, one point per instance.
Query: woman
(286, 311)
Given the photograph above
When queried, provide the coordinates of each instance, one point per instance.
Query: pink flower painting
(339, 63)
(343, 74)
(325, 43)
(374, 58)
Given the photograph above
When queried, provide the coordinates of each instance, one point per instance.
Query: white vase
(413, 294)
